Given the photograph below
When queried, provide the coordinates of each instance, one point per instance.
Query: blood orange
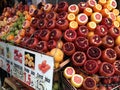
(69, 72)
(76, 80)
(82, 19)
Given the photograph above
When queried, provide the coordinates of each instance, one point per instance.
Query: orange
(73, 8)
(60, 44)
(57, 54)
(105, 12)
(71, 16)
(28, 17)
(116, 12)
(112, 16)
(90, 34)
(22, 32)
(82, 19)
(10, 37)
(102, 2)
(96, 17)
(118, 18)
(108, 7)
(88, 11)
(117, 40)
(91, 25)
(97, 8)
(116, 23)
(73, 25)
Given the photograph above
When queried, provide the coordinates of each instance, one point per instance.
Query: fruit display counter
(83, 40)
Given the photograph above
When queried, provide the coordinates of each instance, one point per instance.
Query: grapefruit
(91, 3)
(88, 11)
(112, 16)
(71, 16)
(76, 80)
(73, 25)
(96, 17)
(91, 25)
(112, 3)
(97, 8)
(82, 19)
(57, 54)
(73, 8)
(68, 72)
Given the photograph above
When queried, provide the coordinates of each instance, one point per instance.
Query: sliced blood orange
(91, 25)
(91, 3)
(105, 12)
(71, 16)
(47, 7)
(68, 72)
(97, 8)
(116, 24)
(88, 11)
(76, 80)
(73, 25)
(116, 12)
(102, 2)
(112, 16)
(82, 19)
(73, 8)
(96, 17)
(118, 18)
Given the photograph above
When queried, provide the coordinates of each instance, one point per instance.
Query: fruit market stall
(78, 42)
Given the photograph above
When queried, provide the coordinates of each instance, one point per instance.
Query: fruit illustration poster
(44, 66)
(18, 62)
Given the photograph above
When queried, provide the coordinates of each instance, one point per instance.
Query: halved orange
(105, 12)
(73, 25)
(112, 3)
(116, 24)
(116, 12)
(118, 18)
(91, 25)
(96, 17)
(73, 8)
(112, 16)
(97, 8)
(82, 19)
(108, 7)
(88, 11)
(71, 16)
(102, 2)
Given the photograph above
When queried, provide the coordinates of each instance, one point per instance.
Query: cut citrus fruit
(71, 16)
(112, 3)
(112, 16)
(73, 25)
(116, 12)
(91, 25)
(73, 8)
(57, 54)
(102, 2)
(76, 80)
(88, 11)
(117, 40)
(118, 18)
(82, 19)
(108, 7)
(105, 12)
(96, 17)
(116, 24)
(69, 72)
(91, 3)
(97, 8)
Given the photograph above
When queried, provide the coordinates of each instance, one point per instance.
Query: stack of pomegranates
(96, 51)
